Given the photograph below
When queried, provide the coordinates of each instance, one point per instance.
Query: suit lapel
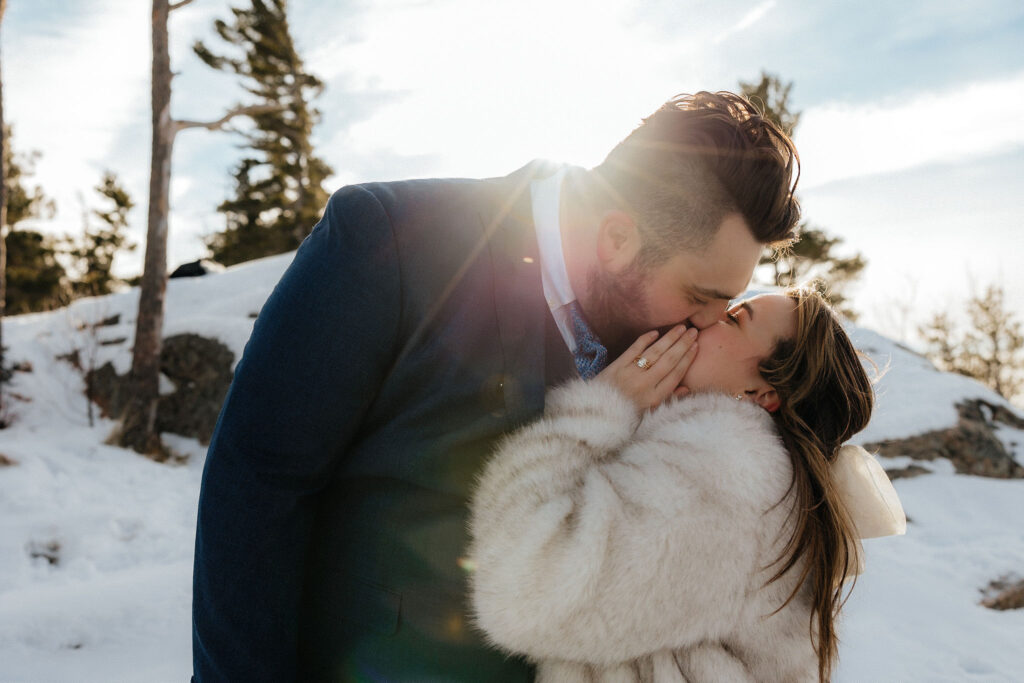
(532, 358)
(559, 364)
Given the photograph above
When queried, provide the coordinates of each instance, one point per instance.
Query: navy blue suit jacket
(408, 334)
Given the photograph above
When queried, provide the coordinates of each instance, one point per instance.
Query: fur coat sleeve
(599, 537)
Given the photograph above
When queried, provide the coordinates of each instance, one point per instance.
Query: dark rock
(22, 366)
(105, 322)
(6, 461)
(73, 357)
(47, 550)
(972, 445)
(1005, 593)
(200, 370)
(907, 472)
(197, 268)
(113, 342)
(107, 390)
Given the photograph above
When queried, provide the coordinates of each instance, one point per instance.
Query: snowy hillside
(96, 542)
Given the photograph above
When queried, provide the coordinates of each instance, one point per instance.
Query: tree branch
(179, 5)
(219, 123)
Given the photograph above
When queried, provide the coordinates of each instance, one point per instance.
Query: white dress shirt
(546, 195)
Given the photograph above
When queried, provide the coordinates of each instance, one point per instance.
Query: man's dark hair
(697, 159)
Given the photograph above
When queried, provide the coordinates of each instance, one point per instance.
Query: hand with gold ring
(650, 370)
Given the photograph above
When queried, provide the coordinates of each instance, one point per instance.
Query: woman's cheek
(698, 377)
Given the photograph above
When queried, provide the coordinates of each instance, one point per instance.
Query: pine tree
(22, 202)
(990, 349)
(96, 250)
(33, 278)
(36, 281)
(813, 255)
(279, 191)
(3, 222)
(771, 95)
(940, 339)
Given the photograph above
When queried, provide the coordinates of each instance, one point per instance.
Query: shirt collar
(546, 195)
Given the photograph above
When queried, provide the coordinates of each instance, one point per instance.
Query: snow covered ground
(96, 542)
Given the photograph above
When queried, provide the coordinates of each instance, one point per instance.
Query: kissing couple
(527, 428)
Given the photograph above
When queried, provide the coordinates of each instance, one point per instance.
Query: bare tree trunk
(3, 222)
(138, 427)
(138, 422)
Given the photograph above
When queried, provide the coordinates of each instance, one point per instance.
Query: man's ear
(768, 399)
(618, 240)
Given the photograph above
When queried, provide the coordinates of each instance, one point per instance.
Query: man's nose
(707, 316)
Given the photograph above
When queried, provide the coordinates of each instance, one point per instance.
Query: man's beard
(616, 307)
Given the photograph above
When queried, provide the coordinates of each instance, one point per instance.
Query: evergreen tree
(813, 255)
(3, 222)
(95, 251)
(22, 202)
(990, 349)
(278, 193)
(772, 96)
(34, 280)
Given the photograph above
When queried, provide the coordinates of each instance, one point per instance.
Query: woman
(704, 540)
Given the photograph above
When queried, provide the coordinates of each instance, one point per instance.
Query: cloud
(459, 87)
(77, 88)
(838, 141)
(748, 20)
(70, 92)
(484, 87)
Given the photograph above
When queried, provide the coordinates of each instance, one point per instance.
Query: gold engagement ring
(642, 363)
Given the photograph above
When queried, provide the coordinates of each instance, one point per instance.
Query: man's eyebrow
(714, 293)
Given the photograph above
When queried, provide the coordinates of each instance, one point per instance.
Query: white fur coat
(610, 548)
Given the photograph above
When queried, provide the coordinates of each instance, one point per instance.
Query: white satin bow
(868, 494)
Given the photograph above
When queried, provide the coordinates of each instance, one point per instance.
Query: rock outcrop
(200, 371)
(1005, 593)
(972, 445)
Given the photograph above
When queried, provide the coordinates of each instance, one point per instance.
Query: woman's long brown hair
(826, 397)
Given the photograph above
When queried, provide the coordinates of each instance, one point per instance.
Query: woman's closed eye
(732, 318)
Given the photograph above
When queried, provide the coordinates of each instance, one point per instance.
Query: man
(420, 321)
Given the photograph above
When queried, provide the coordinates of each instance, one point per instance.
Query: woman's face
(729, 351)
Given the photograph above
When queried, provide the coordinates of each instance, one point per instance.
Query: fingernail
(692, 332)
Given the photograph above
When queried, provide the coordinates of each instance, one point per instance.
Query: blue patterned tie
(591, 355)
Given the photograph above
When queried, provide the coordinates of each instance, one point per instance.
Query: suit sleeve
(318, 353)
(595, 544)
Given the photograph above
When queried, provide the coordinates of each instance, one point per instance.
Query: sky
(911, 145)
